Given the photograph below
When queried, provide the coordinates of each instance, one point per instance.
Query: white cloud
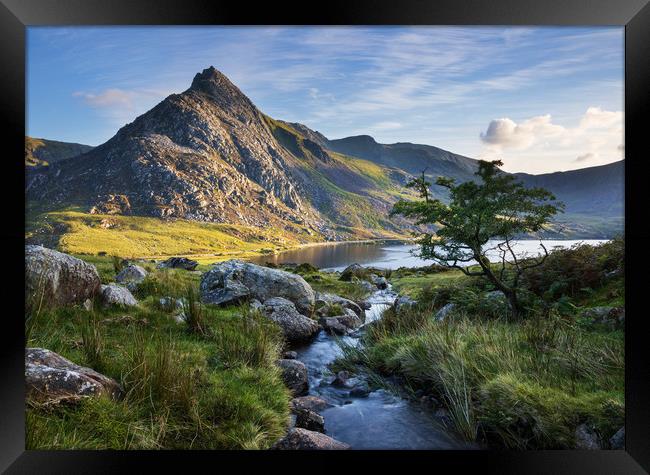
(595, 139)
(107, 98)
(506, 133)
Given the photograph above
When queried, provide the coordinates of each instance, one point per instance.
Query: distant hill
(41, 152)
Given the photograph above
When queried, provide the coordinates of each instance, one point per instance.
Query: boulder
(295, 326)
(310, 420)
(131, 276)
(353, 270)
(332, 326)
(360, 389)
(586, 438)
(445, 311)
(364, 304)
(617, 441)
(403, 301)
(341, 379)
(178, 263)
(606, 315)
(294, 375)
(289, 355)
(303, 439)
(113, 294)
(51, 379)
(312, 403)
(380, 282)
(58, 278)
(349, 319)
(170, 304)
(327, 300)
(232, 281)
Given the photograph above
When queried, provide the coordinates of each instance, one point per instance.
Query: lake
(391, 254)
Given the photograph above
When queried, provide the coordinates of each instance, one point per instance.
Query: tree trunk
(509, 292)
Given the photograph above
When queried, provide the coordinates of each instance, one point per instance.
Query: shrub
(569, 271)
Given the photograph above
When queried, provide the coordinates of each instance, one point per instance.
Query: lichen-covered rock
(303, 439)
(353, 270)
(332, 326)
(310, 420)
(51, 379)
(294, 375)
(58, 278)
(324, 301)
(312, 403)
(617, 441)
(445, 311)
(379, 281)
(178, 263)
(403, 301)
(131, 274)
(295, 326)
(612, 316)
(234, 280)
(113, 294)
(586, 438)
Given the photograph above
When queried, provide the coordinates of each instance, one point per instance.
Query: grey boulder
(113, 294)
(178, 263)
(303, 439)
(294, 375)
(380, 282)
(131, 276)
(234, 280)
(325, 301)
(51, 379)
(445, 311)
(294, 325)
(58, 278)
(586, 438)
(310, 420)
(312, 403)
(617, 441)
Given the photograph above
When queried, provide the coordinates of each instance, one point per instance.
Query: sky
(541, 99)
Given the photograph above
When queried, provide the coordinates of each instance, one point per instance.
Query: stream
(380, 420)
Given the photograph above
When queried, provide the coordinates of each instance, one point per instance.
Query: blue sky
(542, 99)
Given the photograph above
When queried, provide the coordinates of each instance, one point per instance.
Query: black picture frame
(16, 15)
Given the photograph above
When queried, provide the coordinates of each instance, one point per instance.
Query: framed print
(367, 232)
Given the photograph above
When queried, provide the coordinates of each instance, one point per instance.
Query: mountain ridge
(209, 154)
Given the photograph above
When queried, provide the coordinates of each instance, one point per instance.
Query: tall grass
(92, 341)
(249, 340)
(563, 375)
(194, 312)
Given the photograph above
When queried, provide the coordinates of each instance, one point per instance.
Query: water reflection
(391, 254)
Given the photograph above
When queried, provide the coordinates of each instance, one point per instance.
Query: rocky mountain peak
(214, 83)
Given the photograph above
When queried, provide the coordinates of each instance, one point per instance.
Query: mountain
(42, 152)
(208, 154)
(594, 198)
(412, 158)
